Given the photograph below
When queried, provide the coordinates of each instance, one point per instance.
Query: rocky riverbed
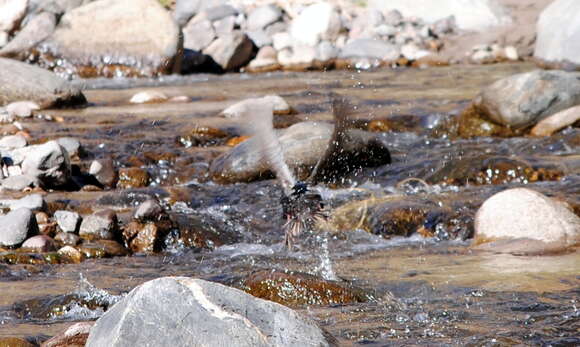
(452, 195)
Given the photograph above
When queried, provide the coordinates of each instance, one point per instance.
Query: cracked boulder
(181, 311)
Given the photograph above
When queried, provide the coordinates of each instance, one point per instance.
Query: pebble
(148, 97)
(22, 109)
(33, 202)
(39, 243)
(100, 225)
(148, 210)
(71, 253)
(67, 238)
(12, 142)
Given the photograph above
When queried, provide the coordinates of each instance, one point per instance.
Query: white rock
(3, 38)
(557, 121)
(469, 14)
(282, 41)
(511, 53)
(149, 96)
(11, 12)
(22, 109)
(558, 32)
(13, 141)
(523, 213)
(316, 22)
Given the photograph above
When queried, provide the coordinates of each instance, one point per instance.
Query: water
(418, 291)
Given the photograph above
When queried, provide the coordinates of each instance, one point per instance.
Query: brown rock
(75, 335)
(231, 51)
(102, 249)
(557, 121)
(39, 243)
(143, 238)
(104, 171)
(14, 342)
(69, 254)
(133, 177)
(299, 289)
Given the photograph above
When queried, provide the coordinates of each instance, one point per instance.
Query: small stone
(71, 254)
(231, 51)
(224, 26)
(262, 16)
(102, 249)
(104, 171)
(148, 210)
(22, 109)
(482, 56)
(266, 60)
(143, 238)
(12, 142)
(15, 342)
(36, 30)
(16, 226)
(259, 38)
(369, 48)
(221, 11)
(71, 145)
(67, 239)
(557, 121)
(511, 53)
(148, 97)
(67, 221)
(282, 41)
(316, 22)
(41, 217)
(39, 243)
(280, 106)
(133, 177)
(101, 225)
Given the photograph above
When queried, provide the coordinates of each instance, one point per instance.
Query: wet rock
(303, 145)
(144, 238)
(202, 136)
(316, 22)
(299, 289)
(33, 202)
(39, 243)
(262, 16)
(133, 177)
(22, 109)
(476, 15)
(147, 97)
(542, 224)
(49, 163)
(231, 51)
(20, 81)
(16, 226)
(519, 101)
(11, 13)
(102, 249)
(369, 48)
(148, 210)
(72, 145)
(216, 314)
(259, 38)
(70, 254)
(12, 142)
(198, 35)
(235, 111)
(67, 221)
(557, 121)
(558, 33)
(104, 171)
(118, 38)
(101, 225)
(15, 342)
(65, 238)
(35, 31)
(75, 335)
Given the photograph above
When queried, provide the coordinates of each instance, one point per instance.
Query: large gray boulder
(558, 33)
(469, 14)
(20, 81)
(524, 99)
(181, 311)
(303, 145)
(137, 34)
(538, 223)
(16, 226)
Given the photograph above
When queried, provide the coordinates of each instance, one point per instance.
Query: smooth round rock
(16, 226)
(67, 221)
(39, 243)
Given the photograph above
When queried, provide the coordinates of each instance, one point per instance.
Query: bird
(302, 206)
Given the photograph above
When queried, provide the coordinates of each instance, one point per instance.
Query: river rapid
(417, 290)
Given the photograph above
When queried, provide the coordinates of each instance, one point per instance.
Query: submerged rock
(513, 104)
(298, 289)
(101, 225)
(557, 121)
(20, 81)
(214, 314)
(558, 34)
(303, 145)
(131, 38)
(68, 221)
(279, 104)
(39, 243)
(524, 221)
